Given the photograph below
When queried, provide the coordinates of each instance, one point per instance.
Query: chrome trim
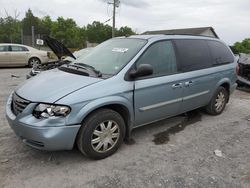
(195, 95)
(150, 107)
(18, 104)
(158, 105)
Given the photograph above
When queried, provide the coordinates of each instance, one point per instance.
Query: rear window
(193, 54)
(220, 53)
(18, 48)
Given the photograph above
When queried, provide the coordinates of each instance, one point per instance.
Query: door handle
(178, 85)
(189, 83)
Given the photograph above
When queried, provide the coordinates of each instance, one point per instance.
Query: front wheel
(218, 101)
(101, 134)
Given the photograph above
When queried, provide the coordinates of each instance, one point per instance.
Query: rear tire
(34, 61)
(218, 101)
(101, 134)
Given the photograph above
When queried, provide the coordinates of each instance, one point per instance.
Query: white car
(20, 55)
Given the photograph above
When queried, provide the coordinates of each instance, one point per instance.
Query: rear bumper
(233, 87)
(41, 137)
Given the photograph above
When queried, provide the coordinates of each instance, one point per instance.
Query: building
(203, 31)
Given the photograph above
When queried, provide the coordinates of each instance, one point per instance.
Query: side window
(193, 54)
(220, 53)
(18, 49)
(3, 48)
(161, 56)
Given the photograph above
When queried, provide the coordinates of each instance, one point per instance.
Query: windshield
(111, 56)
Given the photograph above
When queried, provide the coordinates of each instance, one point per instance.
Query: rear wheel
(101, 134)
(218, 101)
(34, 61)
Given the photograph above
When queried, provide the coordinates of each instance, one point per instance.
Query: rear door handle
(189, 83)
(178, 85)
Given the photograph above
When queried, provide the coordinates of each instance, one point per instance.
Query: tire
(95, 136)
(34, 61)
(218, 101)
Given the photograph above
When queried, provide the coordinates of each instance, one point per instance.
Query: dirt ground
(178, 152)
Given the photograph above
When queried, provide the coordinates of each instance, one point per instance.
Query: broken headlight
(50, 110)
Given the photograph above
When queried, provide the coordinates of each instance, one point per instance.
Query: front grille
(18, 104)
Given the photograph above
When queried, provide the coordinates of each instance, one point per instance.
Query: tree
(28, 21)
(64, 30)
(125, 31)
(242, 47)
(97, 32)
(10, 28)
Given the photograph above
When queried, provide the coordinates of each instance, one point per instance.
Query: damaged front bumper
(43, 134)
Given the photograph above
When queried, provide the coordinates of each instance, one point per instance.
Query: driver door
(158, 96)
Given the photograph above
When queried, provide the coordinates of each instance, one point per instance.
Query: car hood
(244, 59)
(50, 86)
(58, 48)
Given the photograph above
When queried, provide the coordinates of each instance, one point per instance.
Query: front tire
(218, 101)
(101, 134)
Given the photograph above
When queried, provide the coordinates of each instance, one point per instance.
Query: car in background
(62, 53)
(12, 55)
(244, 70)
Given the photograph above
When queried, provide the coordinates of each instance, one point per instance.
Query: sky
(229, 18)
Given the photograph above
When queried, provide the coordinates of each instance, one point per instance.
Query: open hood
(244, 59)
(58, 48)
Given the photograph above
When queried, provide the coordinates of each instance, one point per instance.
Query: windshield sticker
(121, 50)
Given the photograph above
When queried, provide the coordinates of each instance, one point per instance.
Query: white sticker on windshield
(121, 50)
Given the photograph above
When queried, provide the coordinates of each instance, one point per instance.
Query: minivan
(124, 83)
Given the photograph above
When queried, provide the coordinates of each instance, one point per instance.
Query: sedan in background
(20, 55)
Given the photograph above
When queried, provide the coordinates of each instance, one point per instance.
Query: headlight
(50, 110)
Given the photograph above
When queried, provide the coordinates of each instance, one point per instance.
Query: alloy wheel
(220, 101)
(105, 136)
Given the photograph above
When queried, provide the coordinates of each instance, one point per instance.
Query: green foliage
(125, 31)
(10, 29)
(64, 30)
(242, 47)
(98, 32)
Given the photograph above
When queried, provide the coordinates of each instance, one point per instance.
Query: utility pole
(33, 35)
(113, 28)
(115, 4)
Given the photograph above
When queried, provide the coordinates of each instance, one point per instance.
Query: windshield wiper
(98, 73)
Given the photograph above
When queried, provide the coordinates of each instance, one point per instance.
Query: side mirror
(142, 70)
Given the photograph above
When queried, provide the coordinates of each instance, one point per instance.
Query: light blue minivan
(122, 84)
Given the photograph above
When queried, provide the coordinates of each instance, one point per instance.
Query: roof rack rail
(195, 35)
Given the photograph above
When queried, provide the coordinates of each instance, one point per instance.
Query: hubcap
(34, 62)
(105, 136)
(220, 102)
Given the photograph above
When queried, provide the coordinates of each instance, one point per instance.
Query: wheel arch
(34, 56)
(121, 106)
(226, 84)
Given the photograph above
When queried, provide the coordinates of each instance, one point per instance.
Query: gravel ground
(178, 152)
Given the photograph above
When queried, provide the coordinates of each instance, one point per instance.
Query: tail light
(237, 69)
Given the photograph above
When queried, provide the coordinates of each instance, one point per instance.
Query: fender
(98, 103)
(222, 81)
